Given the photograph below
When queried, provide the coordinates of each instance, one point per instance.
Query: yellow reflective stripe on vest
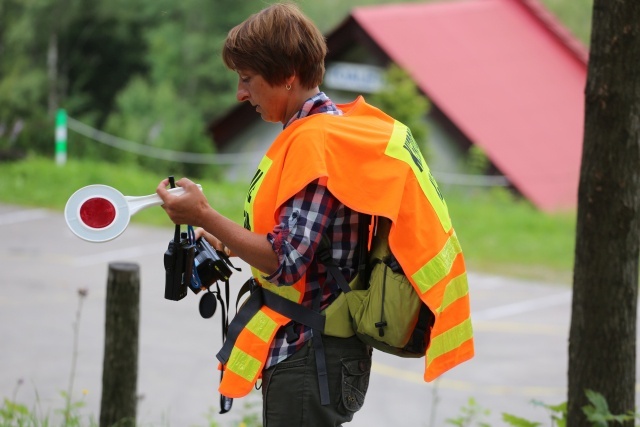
(449, 340)
(243, 364)
(403, 147)
(456, 289)
(262, 326)
(288, 292)
(256, 181)
(436, 269)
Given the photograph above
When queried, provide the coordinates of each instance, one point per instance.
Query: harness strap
(225, 402)
(333, 270)
(318, 347)
(249, 309)
(293, 310)
(259, 297)
(417, 342)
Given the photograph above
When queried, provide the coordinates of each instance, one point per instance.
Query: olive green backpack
(379, 305)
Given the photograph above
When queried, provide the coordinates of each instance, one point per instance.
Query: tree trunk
(602, 340)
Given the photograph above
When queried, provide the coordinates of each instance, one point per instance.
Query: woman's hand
(191, 207)
(213, 241)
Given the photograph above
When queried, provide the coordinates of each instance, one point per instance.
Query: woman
(278, 55)
(330, 167)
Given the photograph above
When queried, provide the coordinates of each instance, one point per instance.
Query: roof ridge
(552, 23)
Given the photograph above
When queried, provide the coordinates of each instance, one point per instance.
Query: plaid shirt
(304, 219)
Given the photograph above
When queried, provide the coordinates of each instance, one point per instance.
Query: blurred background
(125, 93)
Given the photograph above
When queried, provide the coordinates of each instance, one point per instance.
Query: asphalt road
(521, 331)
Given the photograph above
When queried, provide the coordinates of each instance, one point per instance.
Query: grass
(504, 234)
(499, 233)
(575, 15)
(38, 182)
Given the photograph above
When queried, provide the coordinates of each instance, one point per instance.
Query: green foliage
(71, 411)
(558, 415)
(16, 414)
(21, 88)
(575, 15)
(598, 412)
(99, 52)
(83, 55)
(557, 412)
(185, 47)
(514, 421)
(470, 415)
(402, 100)
(156, 116)
(477, 161)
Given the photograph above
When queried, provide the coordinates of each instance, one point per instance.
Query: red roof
(506, 74)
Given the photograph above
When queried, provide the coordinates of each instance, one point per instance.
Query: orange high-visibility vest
(374, 166)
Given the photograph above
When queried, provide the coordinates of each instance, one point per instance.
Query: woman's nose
(242, 94)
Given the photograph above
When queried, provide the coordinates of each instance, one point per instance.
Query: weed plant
(597, 414)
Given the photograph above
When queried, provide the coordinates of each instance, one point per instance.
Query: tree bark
(120, 367)
(602, 339)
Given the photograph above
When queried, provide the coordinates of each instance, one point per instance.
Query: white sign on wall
(354, 77)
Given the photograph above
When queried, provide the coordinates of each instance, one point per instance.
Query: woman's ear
(289, 80)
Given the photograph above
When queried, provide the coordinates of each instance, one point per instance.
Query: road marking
(22, 216)
(466, 386)
(522, 307)
(118, 254)
(519, 328)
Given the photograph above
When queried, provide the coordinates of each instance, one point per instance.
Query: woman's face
(270, 101)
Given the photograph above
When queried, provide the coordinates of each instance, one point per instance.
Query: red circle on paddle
(97, 212)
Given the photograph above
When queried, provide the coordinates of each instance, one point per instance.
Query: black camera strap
(225, 402)
(177, 260)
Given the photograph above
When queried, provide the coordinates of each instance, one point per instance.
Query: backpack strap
(333, 270)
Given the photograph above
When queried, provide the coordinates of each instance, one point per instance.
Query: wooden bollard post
(120, 367)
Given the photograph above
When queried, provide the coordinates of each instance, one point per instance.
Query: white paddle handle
(137, 203)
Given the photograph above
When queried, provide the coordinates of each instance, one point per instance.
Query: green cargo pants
(290, 391)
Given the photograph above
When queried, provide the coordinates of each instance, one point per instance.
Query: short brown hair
(277, 42)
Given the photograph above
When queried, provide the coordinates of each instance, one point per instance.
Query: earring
(287, 87)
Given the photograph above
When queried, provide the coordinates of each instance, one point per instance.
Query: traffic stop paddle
(99, 213)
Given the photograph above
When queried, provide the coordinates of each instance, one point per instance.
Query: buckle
(292, 335)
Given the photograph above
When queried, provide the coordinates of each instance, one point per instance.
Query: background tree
(401, 99)
(602, 342)
(105, 62)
